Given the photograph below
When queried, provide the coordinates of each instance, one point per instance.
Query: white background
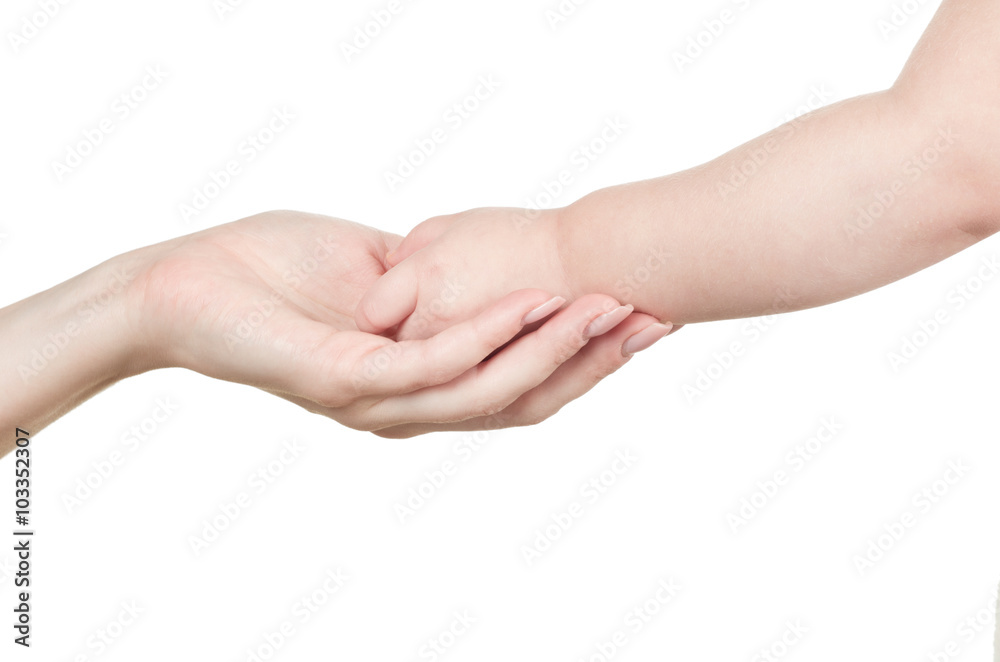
(334, 506)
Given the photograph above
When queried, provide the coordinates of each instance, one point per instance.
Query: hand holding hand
(269, 301)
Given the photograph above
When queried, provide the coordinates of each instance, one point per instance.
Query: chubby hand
(450, 268)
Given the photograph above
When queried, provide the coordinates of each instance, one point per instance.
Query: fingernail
(645, 338)
(543, 311)
(606, 322)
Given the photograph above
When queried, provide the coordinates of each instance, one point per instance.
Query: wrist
(98, 312)
(608, 245)
(67, 343)
(584, 251)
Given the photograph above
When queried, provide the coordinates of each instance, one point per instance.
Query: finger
(407, 366)
(388, 302)
(420, 236)
(350, 365)
(494, 384)
(601, 357)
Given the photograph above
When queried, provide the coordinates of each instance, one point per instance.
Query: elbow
(960, 143)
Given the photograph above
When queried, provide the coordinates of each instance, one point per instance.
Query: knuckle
(602, 369)
(494, 336)
(564, 347)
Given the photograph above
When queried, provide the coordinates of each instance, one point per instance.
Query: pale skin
(269, 301)
(694, 246)
(811, 224)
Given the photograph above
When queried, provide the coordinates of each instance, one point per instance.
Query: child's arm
(839, 202)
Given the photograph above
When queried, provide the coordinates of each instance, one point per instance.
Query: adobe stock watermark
(634, 622)
(122, 107)
(371, 28)
(434, 480)
(247, 151)
(912, 170)
(711, 30)
(103, 638)
(223, 8)
(263, 309)
(923, 502)
(766, 491)
(723, 361)
(233, 508)
(301, 612)
(782, 646)
(900, 14)
(560, 13)
(55, 343)
(757, 155)
(440, 643)
(911, 344)
(452, 120)
(7, 569)
(590, 493)
(133, 439)
(656, 258)
(967, 631)
(33, 23)
(579, 161)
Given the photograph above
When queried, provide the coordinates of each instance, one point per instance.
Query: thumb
(420, 236)
(388, 302)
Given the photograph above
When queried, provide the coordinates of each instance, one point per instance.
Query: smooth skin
(269, 301)
(704, 244)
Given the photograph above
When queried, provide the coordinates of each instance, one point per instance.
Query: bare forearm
(839, 202)
(835, 204)
(64, 345)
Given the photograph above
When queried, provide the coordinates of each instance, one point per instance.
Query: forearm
(64, 345)
(839, 202)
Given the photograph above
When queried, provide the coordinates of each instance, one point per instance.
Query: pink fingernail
(601, 325)
(543, 311)
(645, 338)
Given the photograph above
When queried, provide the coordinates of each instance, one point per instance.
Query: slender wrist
(69, 342)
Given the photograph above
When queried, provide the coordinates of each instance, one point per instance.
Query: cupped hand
(269, 301)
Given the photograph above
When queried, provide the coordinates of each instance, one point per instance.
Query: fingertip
(542, 311)
(386, 304)
(645, 338)
(364, 315)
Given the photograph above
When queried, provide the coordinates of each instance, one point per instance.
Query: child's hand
(452, 267)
